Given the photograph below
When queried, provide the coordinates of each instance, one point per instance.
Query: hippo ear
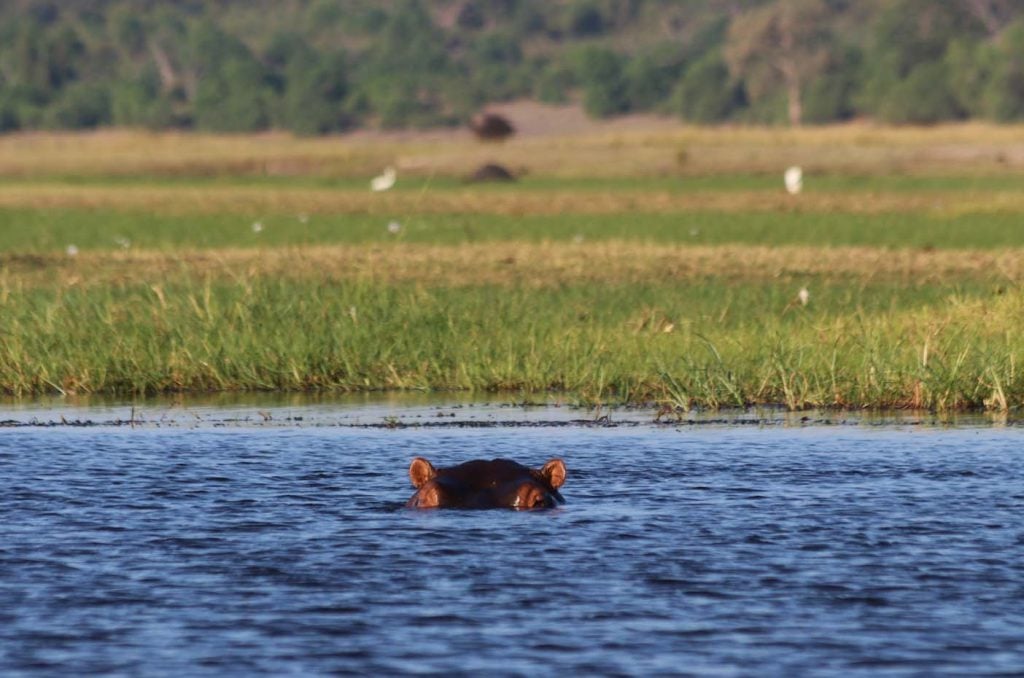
(554, 473)
(420, 471)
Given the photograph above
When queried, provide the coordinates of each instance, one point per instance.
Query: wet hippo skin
(479, 484)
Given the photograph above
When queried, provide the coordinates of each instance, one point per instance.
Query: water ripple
(723, 550)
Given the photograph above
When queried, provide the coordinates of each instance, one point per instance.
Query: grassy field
(51, 230)
(662, 268)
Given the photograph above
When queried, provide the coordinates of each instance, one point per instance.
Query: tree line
(319, 66)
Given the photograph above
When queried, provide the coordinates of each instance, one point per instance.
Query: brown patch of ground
(520, 264)
(551, 140)
(178, 200)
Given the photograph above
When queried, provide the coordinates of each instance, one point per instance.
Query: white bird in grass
(803, 296)
(794, 178)
(384, 181)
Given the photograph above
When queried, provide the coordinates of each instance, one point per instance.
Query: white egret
(794, 178)
(384, 181)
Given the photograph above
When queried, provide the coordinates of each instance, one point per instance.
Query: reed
(708, 342)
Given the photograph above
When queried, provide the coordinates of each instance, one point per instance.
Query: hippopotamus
(480, 484)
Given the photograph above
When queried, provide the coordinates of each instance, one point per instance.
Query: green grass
(52, 230)
(602, 324)
(713, 343)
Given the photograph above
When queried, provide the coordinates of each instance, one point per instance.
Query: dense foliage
(315, 66)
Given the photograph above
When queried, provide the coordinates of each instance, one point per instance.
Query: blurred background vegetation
(319, 66)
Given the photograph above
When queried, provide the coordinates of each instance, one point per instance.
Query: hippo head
(499, 483)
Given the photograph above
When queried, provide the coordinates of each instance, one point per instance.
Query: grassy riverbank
(712, 343)
(611, 321)
(680, 289)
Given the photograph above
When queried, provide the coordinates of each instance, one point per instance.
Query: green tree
(81, 105)
(650, 75)
(969, 66)
(225, 65)
(471, 16)
(600, 71)
(9, 119)
(233, 98)
(922, 98)
(585, 19)
(907, 44)
(554, 83)
(127, 29)
(494, 60)
(830, 96)
(231, 93)
(25, 106)
(1003, 94)
(65, 53)
(317, 87)
(405, 71)
(784, 43)
(142, 103)
(706, 92)
(45, 60)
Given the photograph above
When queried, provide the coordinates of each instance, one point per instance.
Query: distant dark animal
(491, 127)
(480, 484)
(491, 172)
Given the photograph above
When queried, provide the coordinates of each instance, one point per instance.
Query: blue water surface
(695, 550)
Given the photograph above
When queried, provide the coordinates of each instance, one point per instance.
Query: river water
(691, 549)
